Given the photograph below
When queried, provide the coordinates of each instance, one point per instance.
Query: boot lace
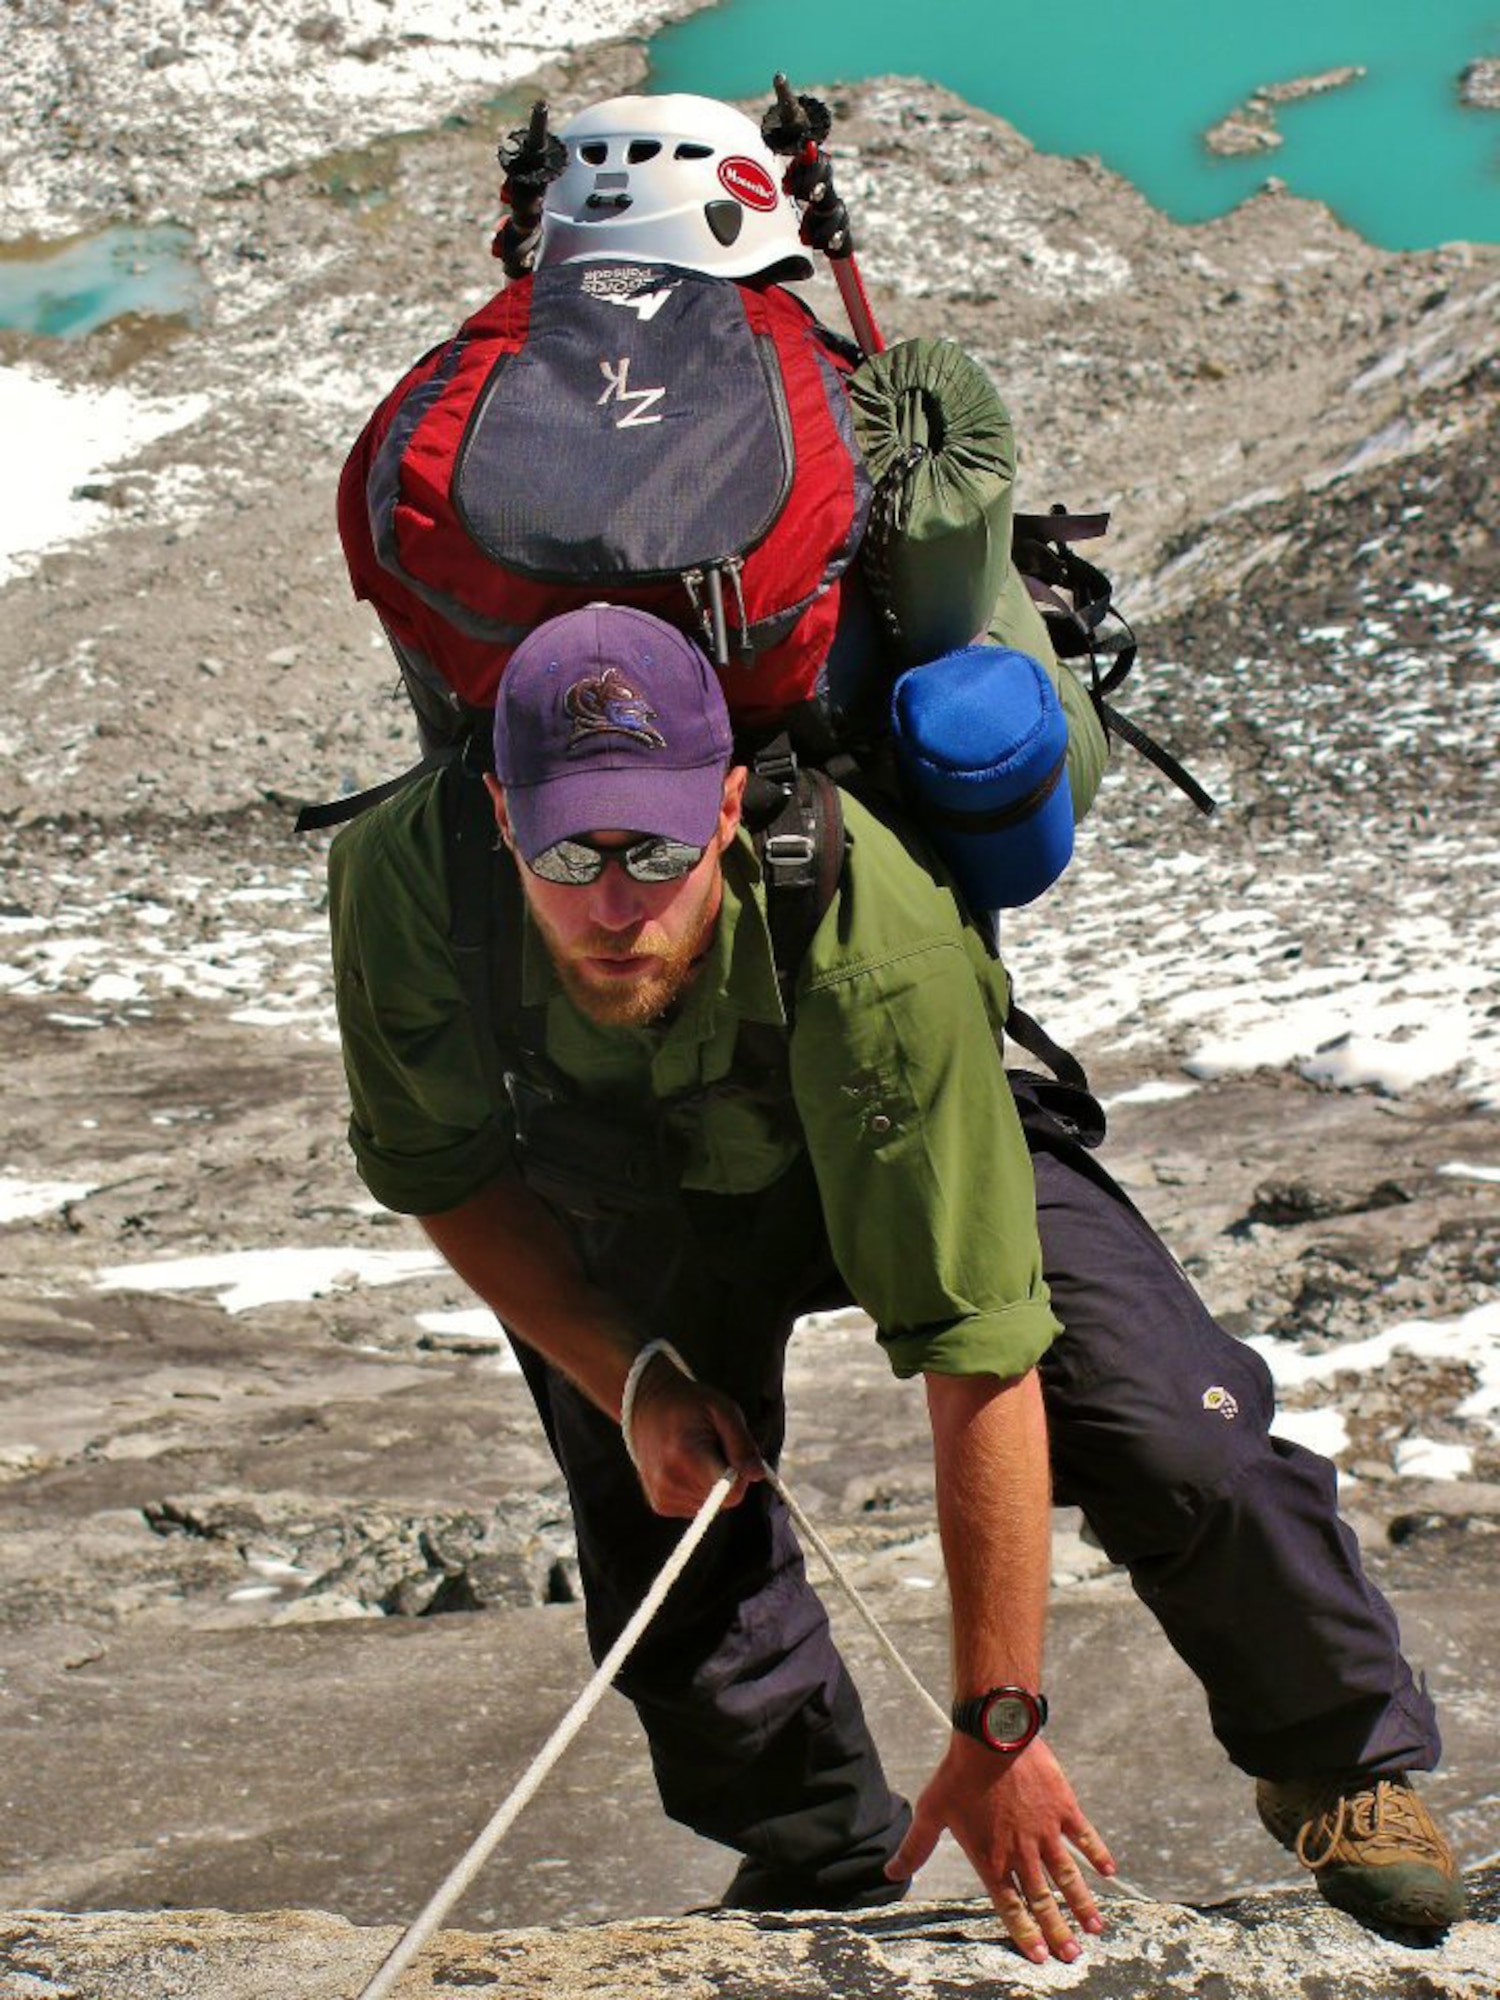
(1386, 1823)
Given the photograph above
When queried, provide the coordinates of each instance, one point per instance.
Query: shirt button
(880, 1123)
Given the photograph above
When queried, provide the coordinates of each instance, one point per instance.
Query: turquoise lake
(1139, 82)
(70, 290)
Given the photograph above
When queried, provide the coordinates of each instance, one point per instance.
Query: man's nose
(618, 901)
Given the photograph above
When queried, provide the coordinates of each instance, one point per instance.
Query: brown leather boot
(1371, 1845)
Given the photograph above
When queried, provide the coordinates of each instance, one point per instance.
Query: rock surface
(1251, 126)
(1281, 1946)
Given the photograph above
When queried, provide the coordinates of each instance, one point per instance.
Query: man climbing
(570, 1055)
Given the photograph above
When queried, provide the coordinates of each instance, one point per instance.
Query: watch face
(1007, 1719)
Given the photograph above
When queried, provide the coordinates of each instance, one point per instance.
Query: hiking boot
(1371, 1845)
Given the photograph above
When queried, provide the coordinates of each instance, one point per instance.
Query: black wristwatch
(1003, 1718)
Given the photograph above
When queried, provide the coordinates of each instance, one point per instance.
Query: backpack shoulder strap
(796, 819)
(485, 903)
(468, 843)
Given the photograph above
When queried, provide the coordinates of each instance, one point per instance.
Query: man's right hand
(684, 1435)
(1016, 1819)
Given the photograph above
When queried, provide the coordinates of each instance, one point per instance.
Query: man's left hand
(1017, 1820)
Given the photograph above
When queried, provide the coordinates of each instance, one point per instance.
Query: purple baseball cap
(608, 717)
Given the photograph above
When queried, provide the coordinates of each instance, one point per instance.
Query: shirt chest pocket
(737, 1141)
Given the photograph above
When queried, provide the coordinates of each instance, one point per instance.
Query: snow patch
(22, 1200)
(477, 1324)
(1426, 1458)
(245, 1279)
(1473, 1338)
(70, 440)
(1322, 1431)
(1160, 1090)
(195, 97)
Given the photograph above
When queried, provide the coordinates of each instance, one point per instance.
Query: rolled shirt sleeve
(921, 1161)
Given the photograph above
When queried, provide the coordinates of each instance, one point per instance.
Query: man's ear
(732, 804)
(497, 798)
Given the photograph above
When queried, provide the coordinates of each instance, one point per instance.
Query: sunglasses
(576, 863)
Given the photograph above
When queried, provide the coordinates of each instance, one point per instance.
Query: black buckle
(788, 857)
(777, 764)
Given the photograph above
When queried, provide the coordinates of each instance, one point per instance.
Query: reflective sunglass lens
(661, 860)
(568, 862)
(575, 863)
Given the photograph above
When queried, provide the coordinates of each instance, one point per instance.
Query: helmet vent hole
(642, 149)
(689, 150)
(596, 152)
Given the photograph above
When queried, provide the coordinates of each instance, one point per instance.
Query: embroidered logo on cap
(748, 181)
(607, 705)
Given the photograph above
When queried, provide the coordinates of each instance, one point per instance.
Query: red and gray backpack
(641, 433)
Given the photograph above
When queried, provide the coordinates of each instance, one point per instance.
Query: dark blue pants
(1231, 1537)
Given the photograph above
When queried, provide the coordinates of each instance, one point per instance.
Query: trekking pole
(532, 160)
(795, 128)
(521, 1795)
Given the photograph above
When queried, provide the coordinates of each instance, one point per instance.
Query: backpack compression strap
(1075, 599)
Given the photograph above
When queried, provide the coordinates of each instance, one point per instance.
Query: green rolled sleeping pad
(941, 451)
(938, 442)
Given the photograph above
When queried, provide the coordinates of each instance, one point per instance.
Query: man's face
(625, 950)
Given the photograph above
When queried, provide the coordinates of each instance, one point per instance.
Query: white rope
(888, 1646)
(384, 1982)
(845, 1583)
(460, 1877)
(834, 1567)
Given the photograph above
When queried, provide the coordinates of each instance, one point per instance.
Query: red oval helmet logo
(748, 181)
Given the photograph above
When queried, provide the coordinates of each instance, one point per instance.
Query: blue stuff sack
(982, 743)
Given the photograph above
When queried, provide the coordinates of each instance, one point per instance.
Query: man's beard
(633, 1003)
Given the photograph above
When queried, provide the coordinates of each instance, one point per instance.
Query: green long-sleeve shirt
(898, 1094)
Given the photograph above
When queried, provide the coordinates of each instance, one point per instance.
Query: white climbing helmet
(686, 180)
